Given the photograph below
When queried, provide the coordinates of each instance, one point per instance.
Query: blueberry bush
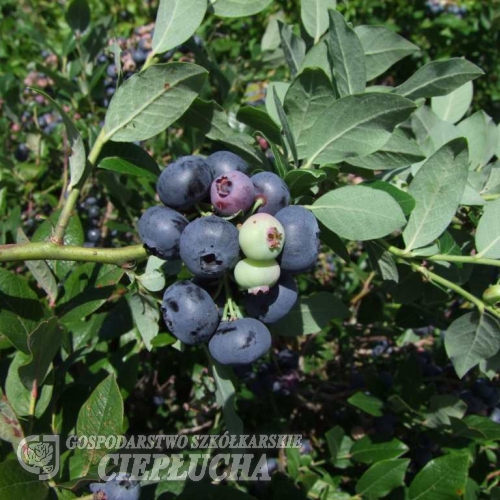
(238, 216)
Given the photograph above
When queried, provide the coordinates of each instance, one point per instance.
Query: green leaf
(482, 138)
(367, 451)
(368, 403)
(349, 68)
(382, 477)
(332, 241)
(300, 181)
(478, 428)
(382, 261)
(43, 344)
(176, 21)
(100, 415)
(78, 16)
(72, 236)
(132, 154)
(470, 339)
(293, 47)
(317, 57)
(305, 100)
(310, 315)
(430, 131)
(18, 396)
(20, 309)
(334, 438)
(10, 428)
(488, 231)
(399, 151)
(314, 15)
(86, 291)
(383, 48)
(441, 479)
(122, 166)
(260, 121)
(226, 397)
(146, 315)
(405, 201)
(77, 157)
(355, 125)
(40, 270)
(438, 78)
(453, 106)
(359, 212)
(437, 189)
(237, 8)
(290, 141)
(271, 38)
(281, 89)
(442, 407)
(17, 483)
(166, 90)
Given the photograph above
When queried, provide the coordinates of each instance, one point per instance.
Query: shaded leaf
(368, 403)
(310, 315)
(78, 15)
(146, 314)
(293, 47)
(367, 451)
(15, 482)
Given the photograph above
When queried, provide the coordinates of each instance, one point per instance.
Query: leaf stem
(72, 198)
(465, 259)
(51, 251)
(453, 286)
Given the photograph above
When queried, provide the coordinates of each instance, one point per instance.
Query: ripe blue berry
(261, 237)
(184, 182)
(231, 193)
(22, 153)
(272, 190)
(256, 275)
(93, 235)
(240, 342)
(189, 312)
(272, 306)
(223, 162)
(301, 247)
(160, 230)
(209, 246)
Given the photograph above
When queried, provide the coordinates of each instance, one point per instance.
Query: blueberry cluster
(248, 238)
(92, 217)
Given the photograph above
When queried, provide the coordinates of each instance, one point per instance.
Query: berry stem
(258, 203)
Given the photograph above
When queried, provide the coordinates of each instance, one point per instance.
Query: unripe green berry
(492, 295)
(256, 275)
(262, 237)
